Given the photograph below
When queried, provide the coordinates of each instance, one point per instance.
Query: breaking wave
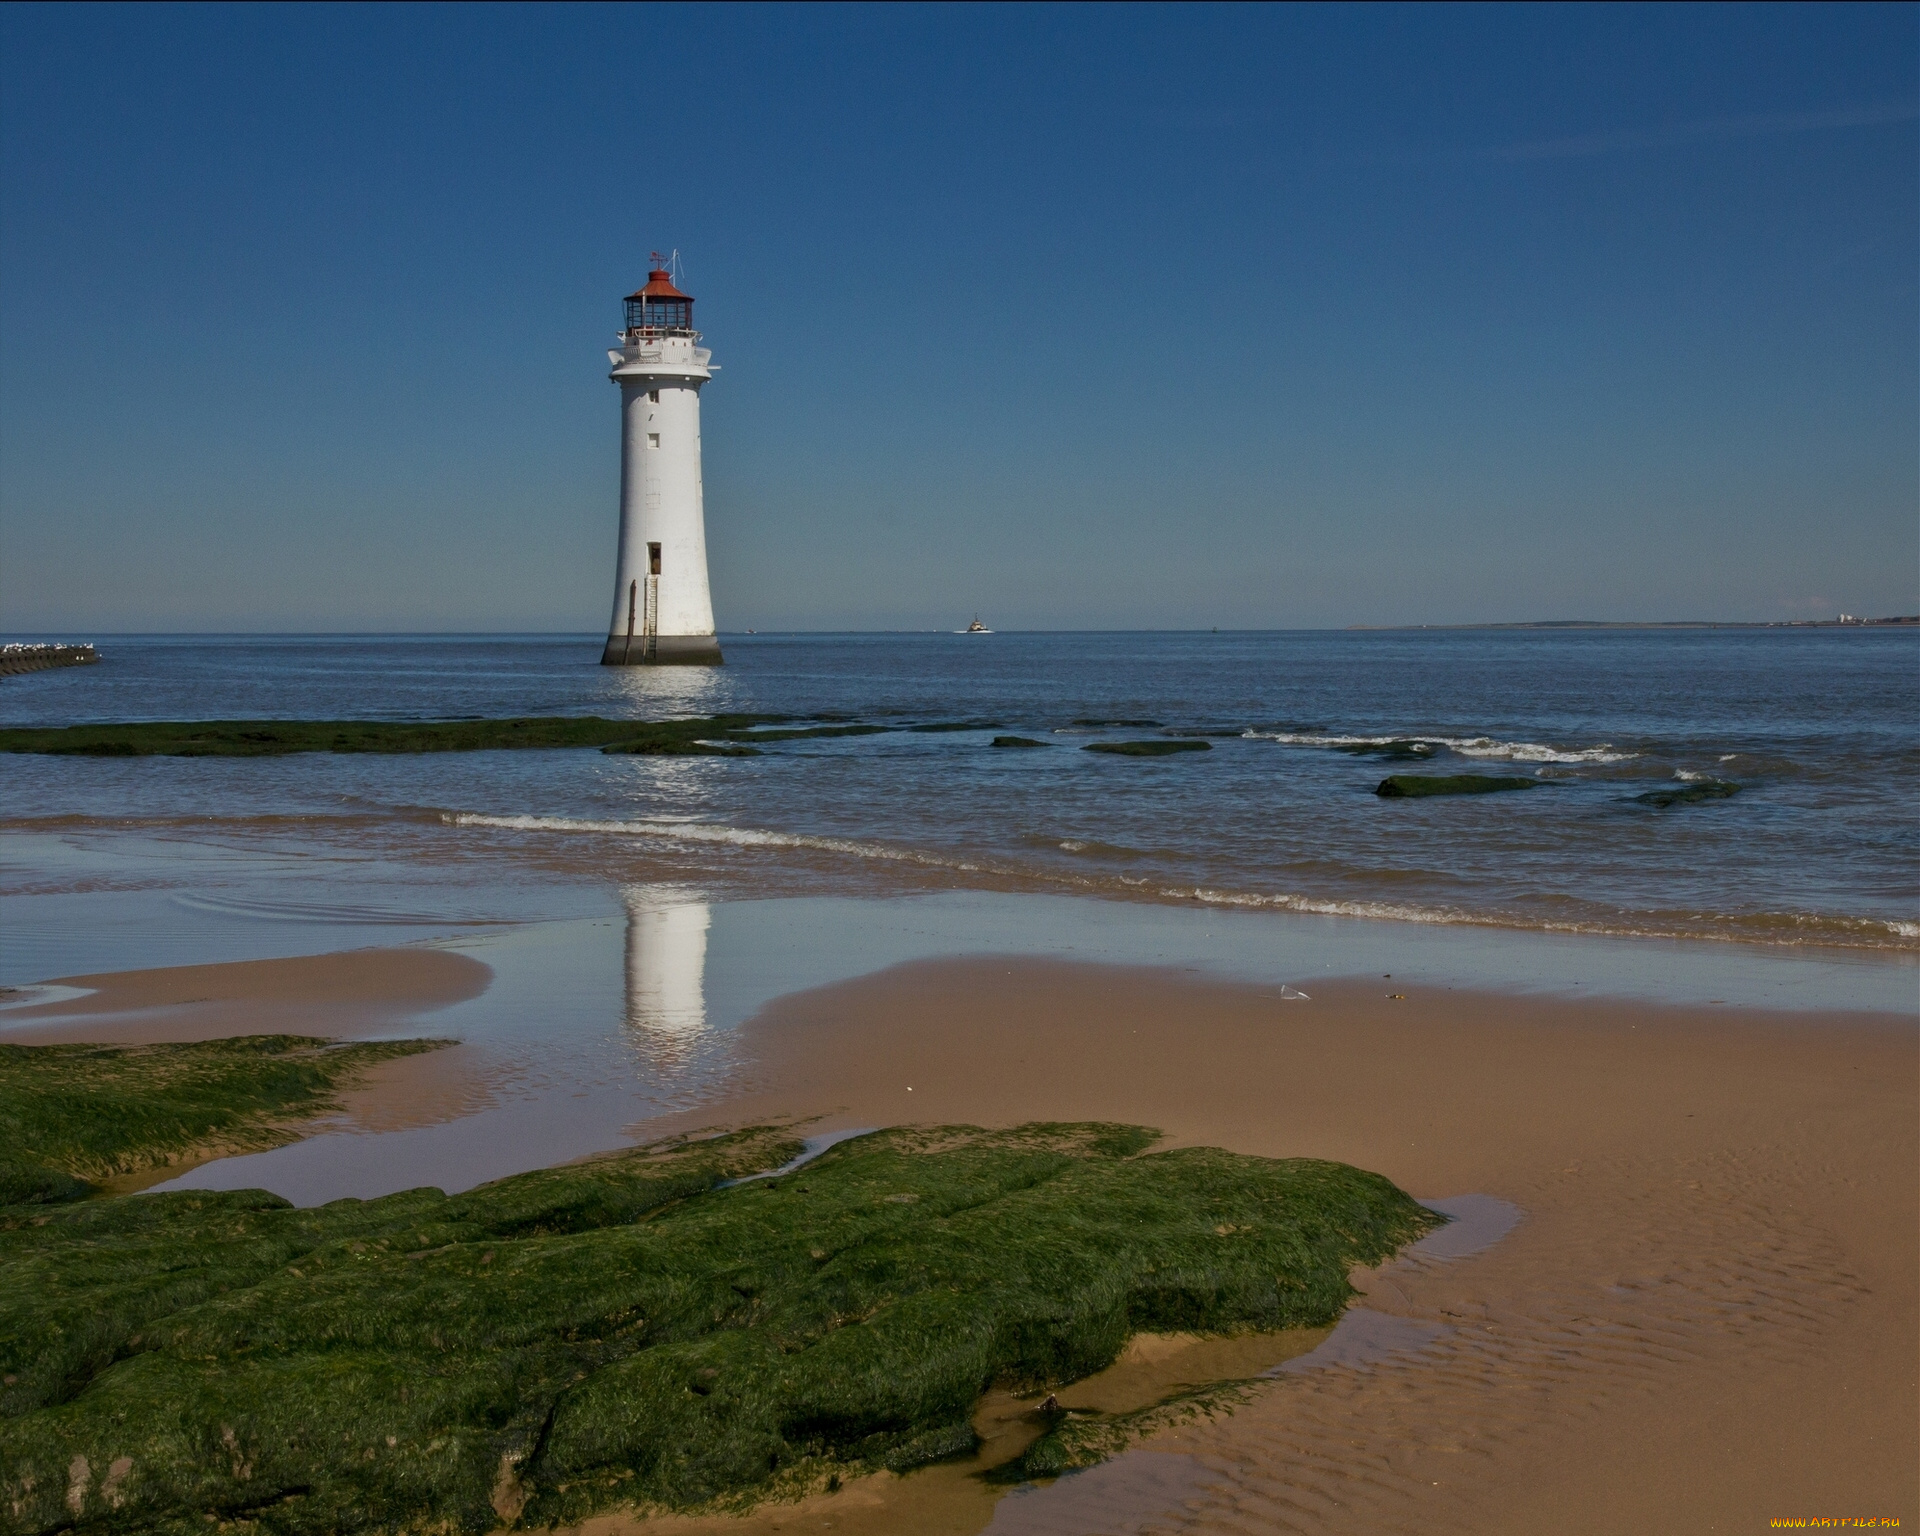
(711, 832)
(1466, 746)
(1779, 928)
(1786, 928)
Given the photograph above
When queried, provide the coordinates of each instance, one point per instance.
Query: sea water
(1817, 727)
(635, 909)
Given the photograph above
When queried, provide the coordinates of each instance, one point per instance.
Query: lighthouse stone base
(668, 651)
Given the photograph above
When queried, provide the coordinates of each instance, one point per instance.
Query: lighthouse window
(653, 559)
(653, 439)
(654, 396)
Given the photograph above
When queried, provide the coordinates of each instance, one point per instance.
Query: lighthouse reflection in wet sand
(666, 966)
(662, 608)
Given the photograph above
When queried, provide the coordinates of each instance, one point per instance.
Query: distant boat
(976, 627)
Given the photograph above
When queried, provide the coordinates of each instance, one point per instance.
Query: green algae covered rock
(1395, 751)
(1161, 747)
(630, 1330)
(1408, 786)
(1690, 793)
(278, 738)
(70, 1114)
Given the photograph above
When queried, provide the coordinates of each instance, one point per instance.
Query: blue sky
(1078, 318)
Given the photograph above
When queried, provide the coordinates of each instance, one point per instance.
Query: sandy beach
(1706, 1321)
(341, 995)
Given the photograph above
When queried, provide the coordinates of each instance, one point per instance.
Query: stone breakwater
(37, 658)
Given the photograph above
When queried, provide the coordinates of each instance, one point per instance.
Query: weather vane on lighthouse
(662, 608)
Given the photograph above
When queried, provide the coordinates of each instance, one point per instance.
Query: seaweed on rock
(1410, 750)
(1407, 786)
(74, 1113)
(278, 738)
(808, 732)
(1166, 746)
(705, 736)
(625, 1331)
(1689, 794)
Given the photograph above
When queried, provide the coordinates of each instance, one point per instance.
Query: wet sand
(1708, 1318)
(344, 995)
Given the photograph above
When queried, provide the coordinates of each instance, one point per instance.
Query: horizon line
(1849, 621)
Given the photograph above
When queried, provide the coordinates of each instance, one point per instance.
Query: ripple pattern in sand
(1704, 1261)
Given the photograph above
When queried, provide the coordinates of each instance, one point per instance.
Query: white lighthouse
(662, 610)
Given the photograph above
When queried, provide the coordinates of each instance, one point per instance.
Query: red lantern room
(659, 309)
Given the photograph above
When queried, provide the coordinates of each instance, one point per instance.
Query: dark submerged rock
(275, 738)
(1689, 794)
(1165, 747)
(1411, 786)
(1390, 751)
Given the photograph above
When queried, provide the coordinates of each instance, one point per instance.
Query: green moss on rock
(671, 746)
(1410, 751)
(1406, 786)
(76, 1113)
(626, 1330)
(1689, 794)
(277, 738)
(1077, 1440)
(706, 736)
(806, 732)
(1161, 747)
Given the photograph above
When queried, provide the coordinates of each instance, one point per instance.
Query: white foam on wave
(1801, 928)
(748, 837)
(39, 996)
(1466, 746)
(1285, 902)
(1825, 929)
(710, 832)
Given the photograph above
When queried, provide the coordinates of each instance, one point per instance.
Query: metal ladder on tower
(650, 646)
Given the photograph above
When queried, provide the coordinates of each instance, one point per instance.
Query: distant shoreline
(1845, 623)
(437, 636)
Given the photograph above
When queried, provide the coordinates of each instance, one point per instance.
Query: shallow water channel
(608, 1009)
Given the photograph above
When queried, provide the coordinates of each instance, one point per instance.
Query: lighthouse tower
(662, 610)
